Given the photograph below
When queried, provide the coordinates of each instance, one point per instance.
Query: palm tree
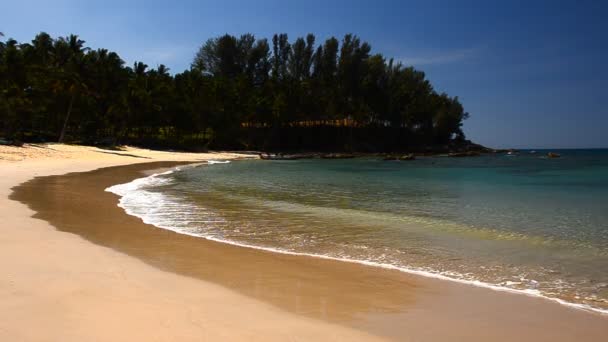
(72, 82)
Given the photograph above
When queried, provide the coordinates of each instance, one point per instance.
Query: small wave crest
(140, 183)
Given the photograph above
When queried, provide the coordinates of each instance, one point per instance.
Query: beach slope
(58, 287)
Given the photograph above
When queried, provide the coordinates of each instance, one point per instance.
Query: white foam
(139, 183)
(136, 201)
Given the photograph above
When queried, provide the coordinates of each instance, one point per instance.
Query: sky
(532, 74)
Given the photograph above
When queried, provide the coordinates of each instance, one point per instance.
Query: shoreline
(383, 297)
(428, 274)
(70, 289)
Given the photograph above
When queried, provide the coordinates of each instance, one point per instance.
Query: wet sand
(381, 302)
(57, 286)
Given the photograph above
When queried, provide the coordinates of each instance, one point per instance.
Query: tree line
(239, 93)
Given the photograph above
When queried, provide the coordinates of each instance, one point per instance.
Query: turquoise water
(525, 222)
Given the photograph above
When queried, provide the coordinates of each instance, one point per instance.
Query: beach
(82, 269)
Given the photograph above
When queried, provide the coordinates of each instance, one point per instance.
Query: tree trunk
(67, 118)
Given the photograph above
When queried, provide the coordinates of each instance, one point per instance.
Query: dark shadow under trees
(240, 93)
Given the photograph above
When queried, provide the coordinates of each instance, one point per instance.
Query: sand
(59, 287)
(104, 275)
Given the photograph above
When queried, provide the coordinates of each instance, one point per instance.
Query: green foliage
(241, 92)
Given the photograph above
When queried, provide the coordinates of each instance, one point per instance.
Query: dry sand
(58, 286)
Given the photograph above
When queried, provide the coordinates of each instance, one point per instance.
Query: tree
(240, 92)
(70, 51)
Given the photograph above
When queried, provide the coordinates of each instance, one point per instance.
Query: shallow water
(516, 222)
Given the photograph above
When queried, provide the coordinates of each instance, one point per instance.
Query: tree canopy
(240, 93)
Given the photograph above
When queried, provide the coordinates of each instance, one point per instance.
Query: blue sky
(530, 73)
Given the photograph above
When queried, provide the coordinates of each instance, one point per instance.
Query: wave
(138, 201)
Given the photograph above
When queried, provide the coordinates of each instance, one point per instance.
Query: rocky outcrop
(338, 156)
(464, 154)
(409, 156)
(279, 156)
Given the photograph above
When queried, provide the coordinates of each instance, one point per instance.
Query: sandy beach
(59, 287)
(82, 269)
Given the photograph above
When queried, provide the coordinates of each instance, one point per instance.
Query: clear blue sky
(531, 73)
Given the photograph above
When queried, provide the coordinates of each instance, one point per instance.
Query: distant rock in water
(553, 155)
(464, 154)
(279, 156)
(338, 156)
(409, 156)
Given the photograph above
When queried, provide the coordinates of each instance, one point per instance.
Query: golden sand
(59, 287)
(152, 284)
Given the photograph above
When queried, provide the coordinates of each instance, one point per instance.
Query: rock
(409, 156)
(337, 156)
(268, 156)
(553, 155)
(308, 155)
(464, 154)
(457, 154)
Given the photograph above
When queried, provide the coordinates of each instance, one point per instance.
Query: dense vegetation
(240, 93)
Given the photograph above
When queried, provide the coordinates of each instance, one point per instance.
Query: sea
(521, 223)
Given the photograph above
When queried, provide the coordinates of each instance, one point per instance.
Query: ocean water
(521, 223)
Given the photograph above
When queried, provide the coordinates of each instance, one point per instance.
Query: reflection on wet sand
(383, 302)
